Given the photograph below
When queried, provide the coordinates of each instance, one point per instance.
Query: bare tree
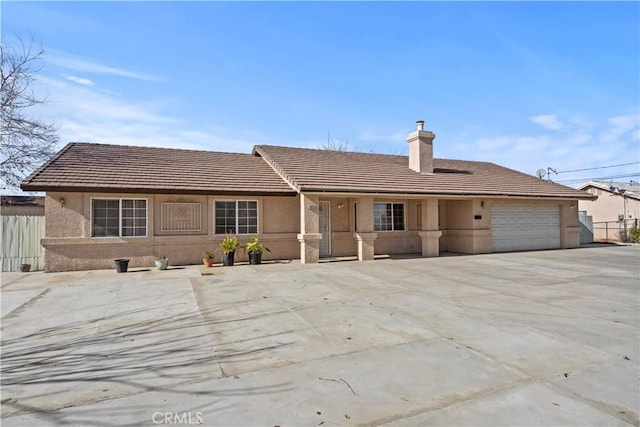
(25, 141)
(335, 145)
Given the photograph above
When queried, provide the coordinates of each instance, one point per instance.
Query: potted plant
(255, 249)
(162, 263)
(229, 245)
(207, 258)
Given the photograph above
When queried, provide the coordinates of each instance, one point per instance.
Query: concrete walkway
(535, 338)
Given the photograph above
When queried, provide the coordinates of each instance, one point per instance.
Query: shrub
(229, 244)
(635, 233)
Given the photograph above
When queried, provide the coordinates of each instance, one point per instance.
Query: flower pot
(121, 265)
(255, 258)
(208, 262)
(161, 264)
(25, 268)
(227, 258)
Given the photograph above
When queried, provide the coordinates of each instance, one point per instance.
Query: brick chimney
(421, 149)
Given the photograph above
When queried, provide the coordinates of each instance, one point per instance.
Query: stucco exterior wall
(64, 214)
(280, 215)
(69, 245)
(608, 206)
(465, 226)
(397, 242)
(400, 242)
(605, 211)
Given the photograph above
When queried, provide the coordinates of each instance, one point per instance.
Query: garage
(524, 227)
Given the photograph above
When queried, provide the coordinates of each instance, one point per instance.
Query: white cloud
(580, 121)
(80, 80)
(90, 104)
(578, 145)
(85, 113)
(93, 114)
(150, 135)
(547, 121)
(577, 139)
(84, 65)
(619, 126)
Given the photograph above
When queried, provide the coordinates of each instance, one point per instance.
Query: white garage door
(524, 227)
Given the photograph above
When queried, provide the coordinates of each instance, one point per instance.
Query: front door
(325, 228)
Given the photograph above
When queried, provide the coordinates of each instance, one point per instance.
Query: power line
(601, 178)
(600, 167)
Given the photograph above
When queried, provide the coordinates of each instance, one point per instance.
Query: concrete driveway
(533, 338)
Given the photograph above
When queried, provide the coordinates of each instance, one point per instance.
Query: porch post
(365, 235)
(309, 236)
(429, 233)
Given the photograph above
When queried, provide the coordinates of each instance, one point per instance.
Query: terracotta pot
(208, 262)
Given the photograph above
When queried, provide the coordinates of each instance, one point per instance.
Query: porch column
(429, 233)
(364, 234)
(309, 236)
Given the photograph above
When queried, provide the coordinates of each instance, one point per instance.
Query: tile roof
(336, 171)
(118, 168)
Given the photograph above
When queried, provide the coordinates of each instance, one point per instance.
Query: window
(236, 217)
(388, 216)
(119, 218)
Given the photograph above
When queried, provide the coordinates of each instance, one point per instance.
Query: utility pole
(622, 192)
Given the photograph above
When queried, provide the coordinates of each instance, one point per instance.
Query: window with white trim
(118, 217)
(388, 216)
(236, 217)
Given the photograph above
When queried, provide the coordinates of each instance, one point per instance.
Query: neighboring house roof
(117, 168)
(338, 171)
(631, 190)
(37, 201)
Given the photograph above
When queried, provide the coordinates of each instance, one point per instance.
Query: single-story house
(110, 201)
(615, 210)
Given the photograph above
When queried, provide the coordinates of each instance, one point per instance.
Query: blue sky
(524, 85)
